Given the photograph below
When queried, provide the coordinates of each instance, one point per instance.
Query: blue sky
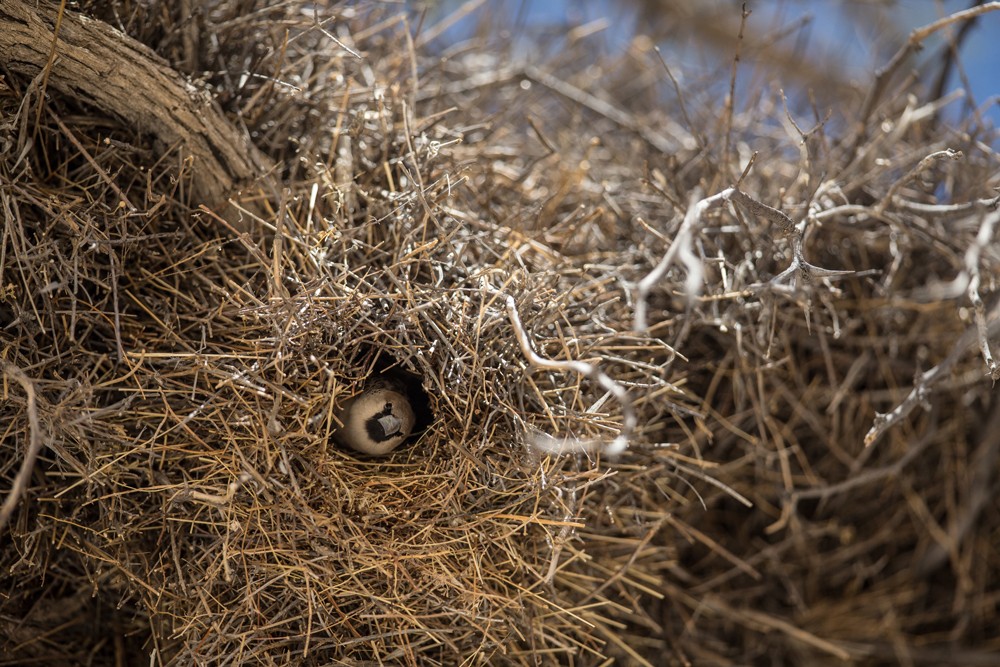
(831, 33)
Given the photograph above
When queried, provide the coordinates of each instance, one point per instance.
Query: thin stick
(680, 99)
(34, 445)
(681, 246)
(983, 239)
(731, 99)
(948, 153)
(48, 65)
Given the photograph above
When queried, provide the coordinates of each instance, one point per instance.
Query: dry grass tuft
(172, 367)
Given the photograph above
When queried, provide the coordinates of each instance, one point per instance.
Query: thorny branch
(682, 248)
(925, 381)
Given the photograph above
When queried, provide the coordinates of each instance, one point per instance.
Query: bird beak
(390, 425)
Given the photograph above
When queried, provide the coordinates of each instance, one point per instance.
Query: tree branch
(96, 64)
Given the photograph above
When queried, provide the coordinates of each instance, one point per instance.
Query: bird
(378, 419)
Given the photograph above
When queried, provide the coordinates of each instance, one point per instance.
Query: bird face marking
(384, 425)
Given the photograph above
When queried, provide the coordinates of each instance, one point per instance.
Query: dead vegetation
(174, 363)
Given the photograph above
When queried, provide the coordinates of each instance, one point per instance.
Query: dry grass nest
(566, 258)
